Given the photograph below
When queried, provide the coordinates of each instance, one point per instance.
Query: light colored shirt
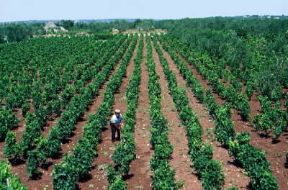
(116, 120)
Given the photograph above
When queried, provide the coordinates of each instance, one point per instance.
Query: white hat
(117, 111)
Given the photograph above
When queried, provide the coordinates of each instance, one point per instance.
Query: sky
(22, 10)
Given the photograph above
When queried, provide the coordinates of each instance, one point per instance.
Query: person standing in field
(116, 123)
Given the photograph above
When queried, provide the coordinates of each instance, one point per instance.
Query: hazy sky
(13, 10)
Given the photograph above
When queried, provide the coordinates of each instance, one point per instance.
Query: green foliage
(32, 164)
(224, 127)
(205, 154)
(272, 118)
(254, 162)
(118, 184)
(11, 149)
(213, 175)
(15, 32)
(8, 121)
(264, 181)
(8, 180)
(124, 154)
(163, 177)
(62, 178)
(67, 24)
(115, 181)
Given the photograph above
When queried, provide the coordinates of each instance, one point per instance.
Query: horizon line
(99, 19)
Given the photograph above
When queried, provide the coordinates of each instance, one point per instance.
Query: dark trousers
(114, 130)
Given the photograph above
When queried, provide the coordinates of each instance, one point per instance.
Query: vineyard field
(196, 112)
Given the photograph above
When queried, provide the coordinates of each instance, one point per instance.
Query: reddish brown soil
(275, 153)
(234, 176)
(106, 147)
(255, 105)
(180, 159)
(21, 125)
(140, 167)
(49, 125)
(1, 150)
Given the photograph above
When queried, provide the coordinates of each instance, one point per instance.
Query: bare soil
(140, 168)
(106, 148)
(180, 159)
(234, 176)
(21, 125)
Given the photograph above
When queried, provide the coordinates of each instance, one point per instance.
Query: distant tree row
(254, 48)
(15, 32)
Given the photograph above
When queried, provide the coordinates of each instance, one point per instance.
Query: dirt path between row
(21, 125)
(140, 167)
(234, 176)
(275, 153)
(46, 179)
(180, 159)
(106, 148)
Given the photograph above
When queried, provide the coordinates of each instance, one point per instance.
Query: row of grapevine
(7, 179)
(205, 66)
(78, 163)
(124, 153)
(272, 119)
(51, 146)
(269, 121)
(210, 171)
(34, 66)
(258, 76)
(44, 92)
(163, 176)
(34, 125)
(8, 121)
(46, 104)
(250, 158)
